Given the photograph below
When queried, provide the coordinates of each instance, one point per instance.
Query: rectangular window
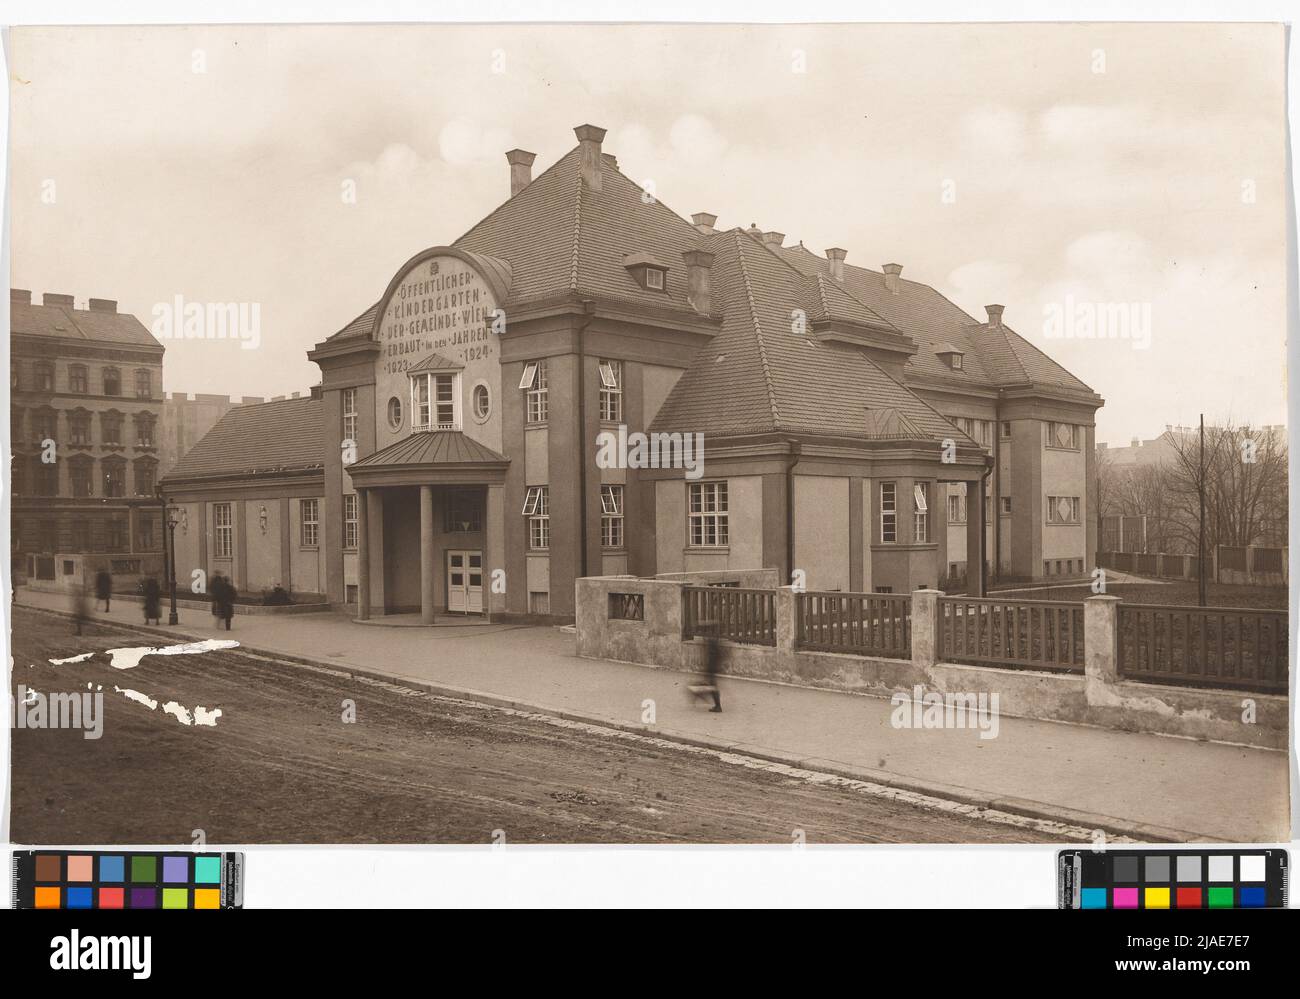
(654, 278)
(81, 483)
(350, 415)
(222, 531)
(1063, 509)
(115, 478)
(1061, 435)
(350, 521)
(957, 503)
(310, 522)
(888, 513)
(627, 607)
(80, 423)
(110, 425)
(145, 474)
(534, 383)
(539, 602)
(921, 512)
(1006, 506)
(537, 509)
(143, 385)
(611, 391)
(1006, 430)
(144, 430)
(444, 402)
(77, 380)
(420, 403)
(709, 515)
(81, 535)
(611, 516)
(463, 512)
(117, 535)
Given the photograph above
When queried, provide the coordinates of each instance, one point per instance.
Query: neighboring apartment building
(186, 420)
(448, 463)
(85, 406)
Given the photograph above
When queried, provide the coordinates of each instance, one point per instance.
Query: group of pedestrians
(224, 596)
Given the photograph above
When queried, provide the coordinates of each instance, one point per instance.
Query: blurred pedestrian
(152, 601)
(712, 653)
(77, 606)
(223, 599)
(103, 588)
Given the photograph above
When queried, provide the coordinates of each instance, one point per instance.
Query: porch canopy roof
(434, 458)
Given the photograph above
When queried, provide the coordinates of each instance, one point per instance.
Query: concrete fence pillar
(787, 623)
(1100, 638)
(925, 627)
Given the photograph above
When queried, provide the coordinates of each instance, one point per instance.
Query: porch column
(363, 554)
(974, 535)
(426, 554)
(494, 557)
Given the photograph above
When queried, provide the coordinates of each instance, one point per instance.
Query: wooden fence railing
(1025, 634)
(730, 613)
(1230, 647)
(877, 624)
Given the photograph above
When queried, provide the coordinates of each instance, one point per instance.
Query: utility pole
(1200, 535)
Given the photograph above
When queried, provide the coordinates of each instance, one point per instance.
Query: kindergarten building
(522, 406)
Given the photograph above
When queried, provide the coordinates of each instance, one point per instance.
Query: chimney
(892, 271)
(521, 169)
(20, 296)
(774, 239)
(995, 315)
(589, 139)
(704, 223)
(699, 293)
(49, 298)
(103, 305)
(836, 256)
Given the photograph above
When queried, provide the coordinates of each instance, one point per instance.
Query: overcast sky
(1030, 166)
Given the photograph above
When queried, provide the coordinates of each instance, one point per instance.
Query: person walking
(152, 601)
(77, 599)
(103, 588)
(224, 594)
(712, 653)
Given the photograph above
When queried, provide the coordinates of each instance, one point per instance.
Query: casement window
(78, 380)
(82, 473)
(481, 402)
(114, 477)
(708, 515)
(1006, 506)
(47, 478)
(44, 376)
(611, 516)
(980, 431)
(146, 472)
(79, 424)
(611, 391)
(44, 426)
(435, 401)
(537, 508)
(143, 384)
(395, 413)
(888, 513)
(144, 424)
(1006, 430)
(222, 531)
(654, 278)
(110, 428)
(1061, 435)
(112, 379)
(49, 535)
(117, 535)
(350, 415)
(957, 503)
(1063, 509)
(144, 540)
(350, 521)
(533, 383)
(81, 535)
(310, 510)
(921, 512)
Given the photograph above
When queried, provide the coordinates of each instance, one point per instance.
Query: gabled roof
(65, 322)
(1010, 359)
(441, 447)
(760, 376)
(258, 439)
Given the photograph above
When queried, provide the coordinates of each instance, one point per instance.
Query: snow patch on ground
(130, 658)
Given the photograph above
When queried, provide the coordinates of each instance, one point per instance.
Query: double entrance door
(465, 582)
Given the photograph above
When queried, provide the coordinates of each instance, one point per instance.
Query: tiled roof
(258, 438)
(1010, 359)
(78, 324)
(435, 362)
(760, 376)
(442, 447)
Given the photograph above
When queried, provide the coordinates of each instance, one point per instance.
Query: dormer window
(648, 272)
(951, 356)
(435, 395)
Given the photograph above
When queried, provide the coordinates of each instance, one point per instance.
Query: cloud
(464, 142)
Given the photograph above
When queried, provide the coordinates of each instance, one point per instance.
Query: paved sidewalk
(1205, 790)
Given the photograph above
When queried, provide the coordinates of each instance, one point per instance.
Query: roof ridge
(758, 332)
(577, 235)
(1015, 355)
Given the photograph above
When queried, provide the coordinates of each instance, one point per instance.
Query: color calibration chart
(1172, 879)
(71, 879)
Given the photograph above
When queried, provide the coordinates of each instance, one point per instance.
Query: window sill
(539, 551)
(613, 551)
(707, 550)
(535, 426)
(309, 548)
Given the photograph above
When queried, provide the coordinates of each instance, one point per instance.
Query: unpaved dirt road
(282, 765)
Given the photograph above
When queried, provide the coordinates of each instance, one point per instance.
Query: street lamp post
(173, 518)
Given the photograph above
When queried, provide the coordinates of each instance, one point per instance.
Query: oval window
(395, 413)
(482, 402)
